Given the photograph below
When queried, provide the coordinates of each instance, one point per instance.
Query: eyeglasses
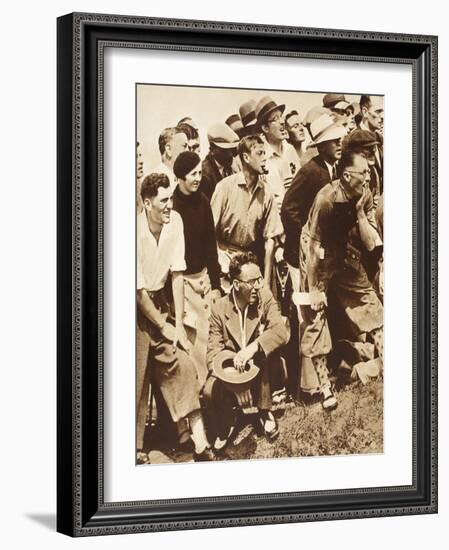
(366, 172)
(253, 283)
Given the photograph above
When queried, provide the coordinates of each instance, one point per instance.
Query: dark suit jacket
(210, 176)
(264, 324)
(298, 201)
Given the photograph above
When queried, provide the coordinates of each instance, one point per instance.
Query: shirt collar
(240, 176)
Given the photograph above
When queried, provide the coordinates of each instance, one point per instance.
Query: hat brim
(231, 375)
(225, 144)
(341, 105)
(265, 115)
(333, 132)
(251, 129)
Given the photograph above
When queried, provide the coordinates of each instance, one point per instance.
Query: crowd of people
(259, 266)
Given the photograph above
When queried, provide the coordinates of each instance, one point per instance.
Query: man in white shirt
(161, 338)
(282, 160)
(172, 142)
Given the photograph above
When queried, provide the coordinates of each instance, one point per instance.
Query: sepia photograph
(259, 273)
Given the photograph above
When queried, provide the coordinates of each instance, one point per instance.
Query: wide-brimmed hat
(221, 135)
(335, 101)
(265, 106)
(234, 122)
(324, 129)
(224, 370)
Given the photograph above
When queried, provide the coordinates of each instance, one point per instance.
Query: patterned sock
(320, 365)
(378, 337)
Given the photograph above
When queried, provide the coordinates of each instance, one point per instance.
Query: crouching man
(341, 224)
(248, 322)
(161, 338)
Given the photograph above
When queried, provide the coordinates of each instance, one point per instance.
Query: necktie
(334, 171)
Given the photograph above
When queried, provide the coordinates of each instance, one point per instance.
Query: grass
(354, 427)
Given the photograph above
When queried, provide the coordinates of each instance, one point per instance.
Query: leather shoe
(207, 455)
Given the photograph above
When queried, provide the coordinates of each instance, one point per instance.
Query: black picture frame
(81, 510)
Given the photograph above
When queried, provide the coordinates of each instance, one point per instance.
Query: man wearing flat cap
(245, 214)
(218, 163)
(341, 224)
(248, 322)
(366, 142)
(282, 160)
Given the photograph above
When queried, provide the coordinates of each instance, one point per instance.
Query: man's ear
(235, 284)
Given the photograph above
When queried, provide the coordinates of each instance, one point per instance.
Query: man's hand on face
(360, 205)
(244, 355)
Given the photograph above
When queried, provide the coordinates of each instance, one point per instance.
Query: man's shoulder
(220, 306)
(325, 196)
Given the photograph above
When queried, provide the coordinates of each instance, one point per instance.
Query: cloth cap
(185, 162)
(221, 135)
(361, 138)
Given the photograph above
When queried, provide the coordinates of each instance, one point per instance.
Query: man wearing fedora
(247, 322)
(247, 111)
(172, 142)
(218, 163)
(314, 175)
(245, 215)
(282, 160)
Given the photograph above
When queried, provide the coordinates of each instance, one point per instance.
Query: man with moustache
(172, 142)
(202, 273)
(218, 163)
(340, 225)
(193, 137)
(161, 338)
(282, 160)
(245, 215)
(314, 175)
(248, 323)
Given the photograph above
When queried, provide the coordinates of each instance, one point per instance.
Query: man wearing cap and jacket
(248, 322)
(218, 163)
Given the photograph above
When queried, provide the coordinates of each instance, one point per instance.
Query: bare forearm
(178, 296)
(370, 237)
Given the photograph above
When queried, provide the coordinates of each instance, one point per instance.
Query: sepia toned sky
(159, 107)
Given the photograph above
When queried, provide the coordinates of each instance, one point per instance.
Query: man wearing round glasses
(341, 224)
(248, 322)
